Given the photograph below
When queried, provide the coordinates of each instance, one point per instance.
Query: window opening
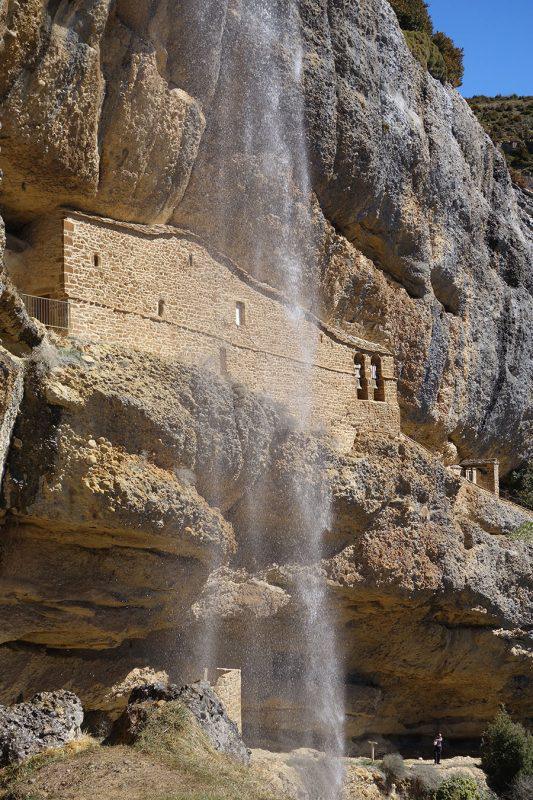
(161, 307)
(361, 380)
(378, 384)
(240, 317)
(96, 260)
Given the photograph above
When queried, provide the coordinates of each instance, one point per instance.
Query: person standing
(437, 748)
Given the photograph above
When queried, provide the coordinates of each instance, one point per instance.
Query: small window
(161, 307)
(97, 260)
(191, 260)
(240, 319)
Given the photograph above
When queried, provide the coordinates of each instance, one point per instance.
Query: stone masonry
(159, 288)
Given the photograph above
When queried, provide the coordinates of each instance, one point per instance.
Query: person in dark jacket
(437, 747)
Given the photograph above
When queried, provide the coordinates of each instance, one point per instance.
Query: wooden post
(372, 750)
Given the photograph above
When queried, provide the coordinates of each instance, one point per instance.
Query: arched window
(361, 378)
(97, 260)
(377, 383)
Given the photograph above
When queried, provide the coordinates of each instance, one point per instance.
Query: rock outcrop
(48, 721)
(130, 534)
(202, 702)
(148, 115)
(131, 522)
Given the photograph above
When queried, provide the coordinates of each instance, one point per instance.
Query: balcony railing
(52, 313)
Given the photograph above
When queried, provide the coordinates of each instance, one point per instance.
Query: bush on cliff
(458, 787)
(426, 53)
(413, 15)
(519, 485)
(506, 752)
(453, 58)
(436, 52)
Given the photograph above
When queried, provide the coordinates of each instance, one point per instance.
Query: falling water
(260, 199)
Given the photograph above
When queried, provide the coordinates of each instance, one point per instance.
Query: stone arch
(378, 384)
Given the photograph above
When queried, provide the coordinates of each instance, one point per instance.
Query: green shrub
(524, 533)
(424, 781)
(437, 53)
(520, 484)
(394, 768)
(413, 15)
(506, 752)
(453, 58)
(426, 53)
(458, 787)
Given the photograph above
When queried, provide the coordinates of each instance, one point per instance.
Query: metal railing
(52, 313)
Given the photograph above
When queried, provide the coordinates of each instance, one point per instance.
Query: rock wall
(131, 531)
(129, 523)
(420, 240)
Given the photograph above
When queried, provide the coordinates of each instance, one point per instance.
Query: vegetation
(435, 51)
(518, 485)
(458, 787)
(394, 768)
(522, 788)
(524, 533)
(172, 760)
(424, 782)
(506, 752)
(509, 122)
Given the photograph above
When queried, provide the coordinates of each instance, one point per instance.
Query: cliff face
(146, 114)
(129, 538)
(127, 520)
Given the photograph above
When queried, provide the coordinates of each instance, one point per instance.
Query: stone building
(161, 289)
(485, 474)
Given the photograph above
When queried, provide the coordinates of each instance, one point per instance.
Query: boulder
(199, 698)
(48, 721)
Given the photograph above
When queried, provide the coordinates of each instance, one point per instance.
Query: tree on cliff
(453, 58)
(436, 52)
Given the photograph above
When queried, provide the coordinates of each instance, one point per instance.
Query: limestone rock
(50, 720)
(199, 698)
(145, 114)
(157, 543)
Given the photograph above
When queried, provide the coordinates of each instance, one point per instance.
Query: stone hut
(485, 474)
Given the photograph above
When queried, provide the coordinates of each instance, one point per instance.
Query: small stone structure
(161, 289)
(227, 684)
(485, 474)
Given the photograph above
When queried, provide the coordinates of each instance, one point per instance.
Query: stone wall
(159, 289)
(227, 683)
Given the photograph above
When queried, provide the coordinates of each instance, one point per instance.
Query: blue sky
(497, 37)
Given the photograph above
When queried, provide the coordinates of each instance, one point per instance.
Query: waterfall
(256, 204)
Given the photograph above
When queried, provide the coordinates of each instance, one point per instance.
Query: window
(97, 260)
(239, 314)
(161, 307)
(191, 260)
(378, 384)
(361, 382)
